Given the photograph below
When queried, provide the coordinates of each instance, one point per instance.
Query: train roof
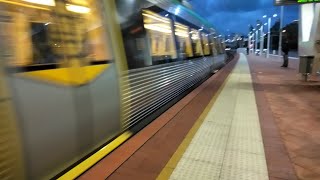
(175, 7)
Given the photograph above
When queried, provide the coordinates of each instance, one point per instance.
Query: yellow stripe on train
(73, 76)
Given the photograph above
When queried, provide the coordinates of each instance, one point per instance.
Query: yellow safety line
(93, 159)
(173, 162)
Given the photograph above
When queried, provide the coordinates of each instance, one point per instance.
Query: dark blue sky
(236, 15)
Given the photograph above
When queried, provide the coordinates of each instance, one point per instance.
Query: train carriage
(76, 75)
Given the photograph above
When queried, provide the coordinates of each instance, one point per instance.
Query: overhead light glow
(180, 26)
(181, 34)
(156, 18)
(77, 9)
(157, 28)
(275, 15)
(195, 36)
(265, 24)
(284, 31)
(42, 2)
(166, 26)
(264, 16)
(306, 11)
(177, 11)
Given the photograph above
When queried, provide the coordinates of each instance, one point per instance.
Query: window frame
(191, 26)
(206, 35)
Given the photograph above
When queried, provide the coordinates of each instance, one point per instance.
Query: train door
(62, 78)
(10, 157)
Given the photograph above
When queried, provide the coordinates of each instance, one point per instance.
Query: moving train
(75, 75)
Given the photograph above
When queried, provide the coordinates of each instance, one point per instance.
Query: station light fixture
(264, 16)
(275, 15)
(284, 31)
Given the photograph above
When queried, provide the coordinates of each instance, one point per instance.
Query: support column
(261, 40)
(280, 31)
(256, 41)
(269, 33)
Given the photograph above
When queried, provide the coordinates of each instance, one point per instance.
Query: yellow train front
(76, 75)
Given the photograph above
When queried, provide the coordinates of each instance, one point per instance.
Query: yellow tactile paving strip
(228, 144)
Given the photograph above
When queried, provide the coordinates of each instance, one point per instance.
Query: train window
(196, 42)
(53, 32)
(161, 38)
(206, 46)
(184, 41)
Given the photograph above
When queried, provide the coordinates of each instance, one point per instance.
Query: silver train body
(58, 110)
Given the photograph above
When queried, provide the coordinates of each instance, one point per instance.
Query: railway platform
(251, 120)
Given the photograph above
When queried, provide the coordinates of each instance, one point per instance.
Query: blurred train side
(76, 74)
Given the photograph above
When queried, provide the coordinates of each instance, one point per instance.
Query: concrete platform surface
(251, 120)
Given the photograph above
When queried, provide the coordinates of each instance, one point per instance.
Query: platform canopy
(291, 2)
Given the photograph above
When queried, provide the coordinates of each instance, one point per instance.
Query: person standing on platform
(285, 50)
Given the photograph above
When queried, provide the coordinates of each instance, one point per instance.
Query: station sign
(291, 2)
